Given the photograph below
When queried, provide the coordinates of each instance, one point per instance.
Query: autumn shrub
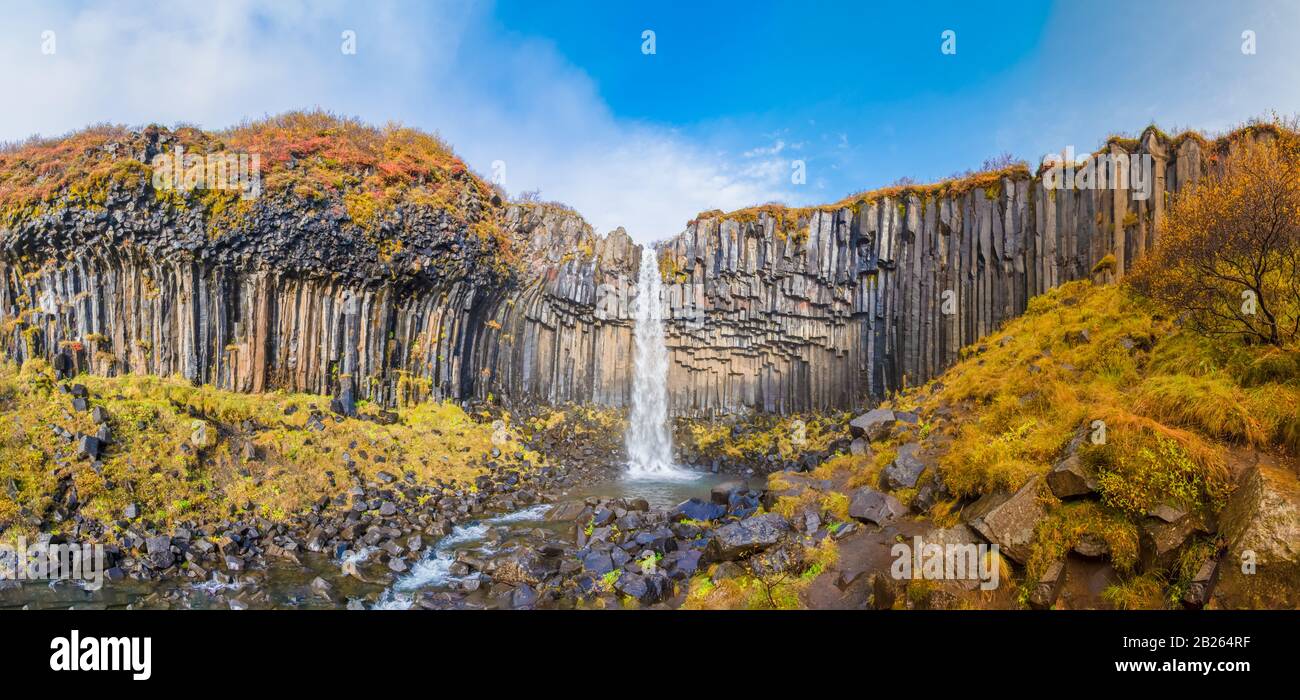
(1228, 255)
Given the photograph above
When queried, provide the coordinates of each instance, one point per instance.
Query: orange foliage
(36, 169)
(1228, 256)
(315, 155)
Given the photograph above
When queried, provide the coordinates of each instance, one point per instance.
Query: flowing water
(434, 569)
(649, 441)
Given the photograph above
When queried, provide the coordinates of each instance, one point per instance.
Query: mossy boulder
(1261, 525)
(1011, 523)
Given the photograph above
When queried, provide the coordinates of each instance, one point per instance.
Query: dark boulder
(645, 589)
(696, 509)
(681, 564)
(88, 446)
(905, 470)
(931, 491)
(1048, 587)
(1201, 587)
(1261, 525)
(1159, 542)
(523, 597)
(597, 563)
(744, 537)
(874, 424)
(522, 566)
(160, 551)
(1070, 478)
(871, 506)
(1011, 522)
(721, 493)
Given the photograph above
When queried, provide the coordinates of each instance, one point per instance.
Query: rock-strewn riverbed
(554, 540)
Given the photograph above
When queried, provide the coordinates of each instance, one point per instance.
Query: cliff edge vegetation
(386, 185)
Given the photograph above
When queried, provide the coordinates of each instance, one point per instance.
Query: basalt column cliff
(436, 289)
(790, 310)
(378, 279)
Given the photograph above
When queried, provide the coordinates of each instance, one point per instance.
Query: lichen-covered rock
(874, 424)
(1010, 524)
(906, 468)
(1261, 525)
(1071, 478)
(1160, 542)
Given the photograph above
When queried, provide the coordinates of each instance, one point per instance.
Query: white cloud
(775, 148)
(443, 67)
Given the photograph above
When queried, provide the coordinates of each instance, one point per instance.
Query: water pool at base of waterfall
(659, 493)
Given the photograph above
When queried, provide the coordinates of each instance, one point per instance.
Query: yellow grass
(152, 420)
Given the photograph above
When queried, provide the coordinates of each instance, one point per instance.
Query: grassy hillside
(198, 454)
(1162, 417)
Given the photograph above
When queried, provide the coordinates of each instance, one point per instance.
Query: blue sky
(735, 93)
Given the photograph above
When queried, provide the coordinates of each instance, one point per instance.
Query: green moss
(1106, 264)
(1137, 473)
(153, 460)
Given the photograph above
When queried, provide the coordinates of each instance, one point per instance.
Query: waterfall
(649, 441)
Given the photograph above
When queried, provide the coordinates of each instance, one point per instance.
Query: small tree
(1228, 257)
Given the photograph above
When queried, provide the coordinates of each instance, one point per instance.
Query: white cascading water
(649, 441)
(434, 568)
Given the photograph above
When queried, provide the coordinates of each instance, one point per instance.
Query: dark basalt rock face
(829, 308)
(299, 299)
(861, 300)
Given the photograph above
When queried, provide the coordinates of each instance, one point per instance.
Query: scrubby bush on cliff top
(1228, 257)
(314, 156)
